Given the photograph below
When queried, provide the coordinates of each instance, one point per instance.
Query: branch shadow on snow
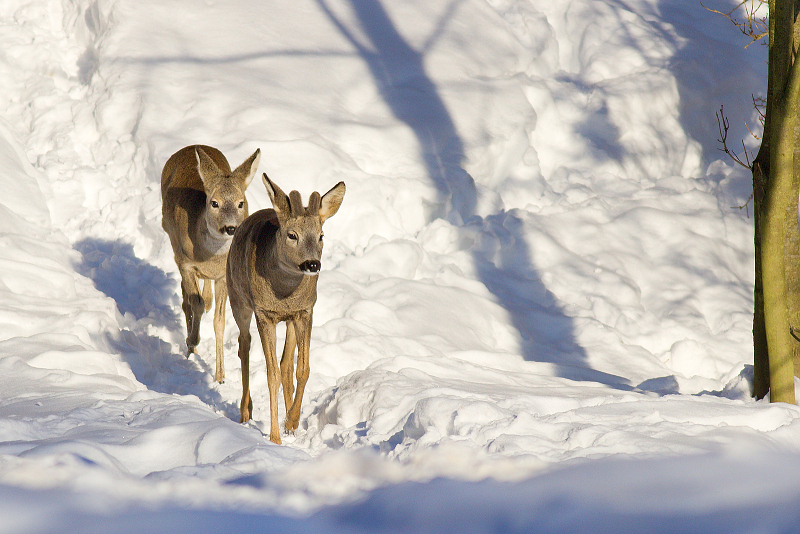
(145, 296)
(545, 331)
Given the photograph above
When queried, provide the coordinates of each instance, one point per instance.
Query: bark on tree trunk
(791, 253)
(760, 352)
(773, 224)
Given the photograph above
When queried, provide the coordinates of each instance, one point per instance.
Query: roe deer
(203, 203)
(272, 268)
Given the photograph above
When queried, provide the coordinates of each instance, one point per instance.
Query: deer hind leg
(302, 327)
(192, 308)
(287, 365)
(221, 290)
(266, 329)
(186, 307)
(242, 318)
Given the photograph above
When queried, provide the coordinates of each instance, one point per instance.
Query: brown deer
(272, 271)
(202, 204)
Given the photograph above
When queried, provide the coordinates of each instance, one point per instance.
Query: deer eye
(241, 204)
(214, 204)
(292, 236)
(321, 236)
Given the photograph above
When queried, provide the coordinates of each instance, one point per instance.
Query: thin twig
(723, 125)
(744, 206)
(793, 331)
(754, 27)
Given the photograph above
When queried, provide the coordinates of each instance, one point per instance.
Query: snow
(535, 307)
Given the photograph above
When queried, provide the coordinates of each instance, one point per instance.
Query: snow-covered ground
(535, 307)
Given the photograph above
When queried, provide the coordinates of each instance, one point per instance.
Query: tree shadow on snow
(146, 297)
(138, 288)
(546, 333)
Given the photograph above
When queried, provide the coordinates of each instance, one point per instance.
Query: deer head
(226, 205)
(299, 240)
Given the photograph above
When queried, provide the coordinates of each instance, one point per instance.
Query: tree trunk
(760, 352)
(791, 252)
(782, 112)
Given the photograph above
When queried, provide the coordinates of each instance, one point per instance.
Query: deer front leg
(221, 295)
(207, 298)
(242, 318)
(302, 327)
(287, 365)
(192, 308)
(266, 329)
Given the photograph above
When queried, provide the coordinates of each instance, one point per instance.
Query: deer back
(180, 170)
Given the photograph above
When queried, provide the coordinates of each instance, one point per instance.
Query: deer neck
(285, 279)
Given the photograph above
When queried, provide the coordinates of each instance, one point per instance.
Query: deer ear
(206, 167)
(331, 201)
(279, 199)
(247, 170)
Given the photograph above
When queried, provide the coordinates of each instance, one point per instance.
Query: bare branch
(755, 135)
(756, 28)
(746, 155)
(723, 125)
(744, 206)
(759, 102)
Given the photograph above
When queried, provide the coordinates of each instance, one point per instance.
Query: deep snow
(535, 305)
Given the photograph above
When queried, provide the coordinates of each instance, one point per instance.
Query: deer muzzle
(227, 230)
(310, 267)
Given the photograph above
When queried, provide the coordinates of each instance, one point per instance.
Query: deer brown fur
(203, 202)
(272, 266)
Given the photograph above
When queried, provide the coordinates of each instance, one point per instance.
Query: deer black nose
(228, 230)
(310, 266)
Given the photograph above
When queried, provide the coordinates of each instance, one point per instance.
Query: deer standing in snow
(273, 264)
(203, 203)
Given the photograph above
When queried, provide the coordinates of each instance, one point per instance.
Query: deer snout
(310, 266)
(227, 230)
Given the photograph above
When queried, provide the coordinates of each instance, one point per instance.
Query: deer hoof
(245, 411)
(291, 425)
